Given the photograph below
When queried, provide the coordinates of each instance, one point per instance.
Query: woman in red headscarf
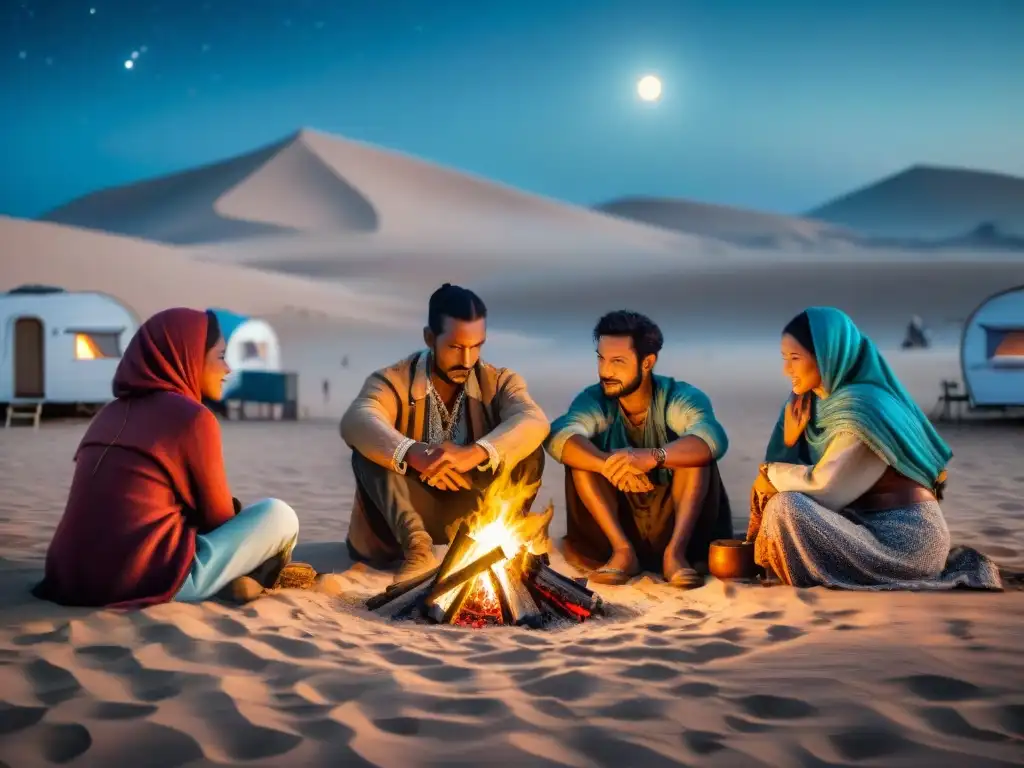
(150, 518)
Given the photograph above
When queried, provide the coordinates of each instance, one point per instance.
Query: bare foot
(674, 561)
(620, 568)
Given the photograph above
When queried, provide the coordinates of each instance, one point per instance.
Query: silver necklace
(442, 423)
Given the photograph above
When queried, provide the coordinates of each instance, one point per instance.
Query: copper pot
(732, 559)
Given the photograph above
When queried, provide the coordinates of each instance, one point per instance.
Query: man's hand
(463, 458)
(439, 466)
(627, 470)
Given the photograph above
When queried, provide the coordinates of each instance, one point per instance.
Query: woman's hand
(761, 491)
(798, 416)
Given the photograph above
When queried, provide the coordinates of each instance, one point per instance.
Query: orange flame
(85, 348)
(497, 522)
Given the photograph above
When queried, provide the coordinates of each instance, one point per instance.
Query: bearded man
(642, 486)
(429, 435)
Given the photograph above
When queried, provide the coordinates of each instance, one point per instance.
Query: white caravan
(59, 346)
(992, 351)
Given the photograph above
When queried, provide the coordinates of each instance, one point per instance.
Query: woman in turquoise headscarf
(849, 496)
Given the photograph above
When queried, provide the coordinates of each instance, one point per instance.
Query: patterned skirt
(807, 544)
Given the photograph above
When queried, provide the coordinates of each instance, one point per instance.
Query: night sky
(771, 104)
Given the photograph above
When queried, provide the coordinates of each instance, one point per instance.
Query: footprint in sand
(514, 656)
(405, 658)
(947, 721)
(63, 742)
(289, 646)
(1010, 506)
(959, 628)
(59, 634)
(634, 710)
(696, 690)
(742, 725)
(120, 710)
(651, 672)
(237, 736)
(768, 707)
(689, 613)
(869, 743)
(703, 742)
(606, 748)
(479, 707)
(50, 683)
(940, 688)
(565, 686)
(14, 718)
(767, 615)
(780, 632)
(1011, 717)
(228, 627)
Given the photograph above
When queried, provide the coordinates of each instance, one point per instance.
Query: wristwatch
(659, 457)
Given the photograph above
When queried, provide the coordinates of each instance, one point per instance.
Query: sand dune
(149, 277)
(360, 196)
(930, 203)
(734, 225)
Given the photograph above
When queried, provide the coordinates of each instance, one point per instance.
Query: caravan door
(28, 358)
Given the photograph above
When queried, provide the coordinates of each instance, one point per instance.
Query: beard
(620, 389)
(446, 376)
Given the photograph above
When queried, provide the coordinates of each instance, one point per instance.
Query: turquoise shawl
(864, 397)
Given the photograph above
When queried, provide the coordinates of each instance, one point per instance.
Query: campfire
(496, 572)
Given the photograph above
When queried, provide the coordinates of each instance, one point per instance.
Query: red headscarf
(166, 354)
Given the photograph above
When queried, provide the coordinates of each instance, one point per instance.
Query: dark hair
(455, 302)
(645, 333)
(212, 329)
(800, 329)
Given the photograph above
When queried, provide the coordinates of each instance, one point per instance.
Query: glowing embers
(496, 572)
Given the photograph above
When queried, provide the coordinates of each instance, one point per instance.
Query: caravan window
(1011, 344)
(97, 345)
(253, 351)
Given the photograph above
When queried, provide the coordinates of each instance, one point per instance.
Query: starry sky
(770, 104)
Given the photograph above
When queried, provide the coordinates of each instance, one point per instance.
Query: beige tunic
(846, 471)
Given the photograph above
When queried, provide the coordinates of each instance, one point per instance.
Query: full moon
(649, 88)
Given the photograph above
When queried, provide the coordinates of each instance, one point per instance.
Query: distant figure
(849, 495)
(327, 391)
(344, 361)
(917, 335)
(150, 517)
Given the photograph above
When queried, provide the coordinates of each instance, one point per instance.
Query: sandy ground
(722, 676)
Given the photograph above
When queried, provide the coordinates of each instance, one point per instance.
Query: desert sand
(726, 675)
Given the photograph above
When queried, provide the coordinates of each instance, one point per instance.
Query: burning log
(517, 605)
(444, 585)
(398, 589)
(562, 594)
(402, 597)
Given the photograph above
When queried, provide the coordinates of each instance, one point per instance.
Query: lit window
(1011, 345)
(97, 346)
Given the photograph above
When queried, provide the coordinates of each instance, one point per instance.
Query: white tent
(992, 351)
(60, 347)
(252, 345)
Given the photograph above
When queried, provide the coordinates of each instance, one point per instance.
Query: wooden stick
(521, 606)
(453, 580)
(460, 600)
(561, 588)
(398, 589)
(460, 544)
(406, 602)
